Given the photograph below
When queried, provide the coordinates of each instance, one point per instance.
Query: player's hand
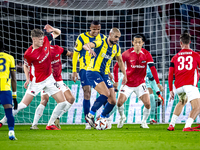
(49, 28)
(74, 76)
(92, 53)
(26, 84)
(160, 98)
(171, 95)
(111, 77)
(124, 80)
(15, 101)
(115, 85)
(160, 87)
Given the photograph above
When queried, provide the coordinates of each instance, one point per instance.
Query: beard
(113, 42)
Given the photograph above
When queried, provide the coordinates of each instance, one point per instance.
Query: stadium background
(161, 22)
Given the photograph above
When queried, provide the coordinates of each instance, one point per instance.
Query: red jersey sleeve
(170, 75)
(27, 60)
(149, 58)
(115, 71)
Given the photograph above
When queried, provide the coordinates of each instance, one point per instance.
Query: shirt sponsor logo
(44, 58)
(55, 61)
(137, 66)
(106, 56)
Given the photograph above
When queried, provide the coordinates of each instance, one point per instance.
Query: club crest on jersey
(114, 51)
(76, 45)
(45, 48)
(33, 92)
(57, 55)
(143, 61)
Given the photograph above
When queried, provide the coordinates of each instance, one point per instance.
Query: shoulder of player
(8, 56)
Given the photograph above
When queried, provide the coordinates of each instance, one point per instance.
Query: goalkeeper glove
(14, 95)
(160, 98)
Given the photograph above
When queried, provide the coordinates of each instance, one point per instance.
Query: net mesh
(161, 29)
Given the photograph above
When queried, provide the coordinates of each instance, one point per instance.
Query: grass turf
(75, 137)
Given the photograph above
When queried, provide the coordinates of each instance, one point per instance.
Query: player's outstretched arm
(14, 87)
(56, 32)
(122, 68)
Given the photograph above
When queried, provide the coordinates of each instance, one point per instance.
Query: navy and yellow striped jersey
(84, 57)
(7, 64)
(104, 55)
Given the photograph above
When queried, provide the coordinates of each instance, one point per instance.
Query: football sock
(108, 108)
(86, 106)
(153, 107)
(189, 122)
(65, 109)
(98, 103)
(38, 113)
(121, 111)
(10, 118)
(173, 120)
(146, 113)
(56, 112)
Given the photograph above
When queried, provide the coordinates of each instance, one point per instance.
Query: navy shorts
(6, 97)
(84, 80)
(95, 78)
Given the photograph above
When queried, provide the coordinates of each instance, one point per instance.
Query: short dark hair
(1, 46)
(37, 33)
(95, 22)
(185, 38)
(139, 36)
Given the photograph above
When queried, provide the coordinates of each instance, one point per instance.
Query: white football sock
(38, 114)
(173, 120)
(121, 111)
(65, 109)
(189, 122)
(146, 113)
(20, 107)
(56, 112)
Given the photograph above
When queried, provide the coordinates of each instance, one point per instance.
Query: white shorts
(61, 85)
(139, 90)
(191, 92)
(47, 85)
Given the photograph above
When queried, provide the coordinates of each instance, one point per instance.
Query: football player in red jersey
(136, 60)
(37, 68)
(56, 64)
(184, 65)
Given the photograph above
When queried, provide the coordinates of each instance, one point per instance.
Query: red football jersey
(56, 64)
(39, 61)
(136, 66)
(185, 67)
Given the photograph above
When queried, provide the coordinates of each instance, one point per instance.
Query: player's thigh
(27, 99)
(192, 92)
(195, 103)
(83, 78)
(143, 93)
(59, 97)
(124, 93)
(150, 90)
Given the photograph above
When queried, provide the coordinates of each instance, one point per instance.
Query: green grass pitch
(75, 137)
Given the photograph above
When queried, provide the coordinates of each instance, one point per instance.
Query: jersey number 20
(188, 65)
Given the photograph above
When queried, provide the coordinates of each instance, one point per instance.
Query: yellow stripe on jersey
(105, 53)
(84, 57)
(7, 64)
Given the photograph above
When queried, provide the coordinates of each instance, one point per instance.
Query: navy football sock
(98, 103)
(10, 118)
(108, 108)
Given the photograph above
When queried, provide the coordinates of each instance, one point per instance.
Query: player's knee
(119, 104)
(147, 105)
(71, 100)
(87, 94)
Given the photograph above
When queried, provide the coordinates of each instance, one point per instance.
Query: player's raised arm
(56, 32)
(122, 68)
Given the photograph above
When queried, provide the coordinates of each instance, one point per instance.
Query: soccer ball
(101, 124)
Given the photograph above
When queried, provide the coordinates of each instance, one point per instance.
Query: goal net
(161, 22)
